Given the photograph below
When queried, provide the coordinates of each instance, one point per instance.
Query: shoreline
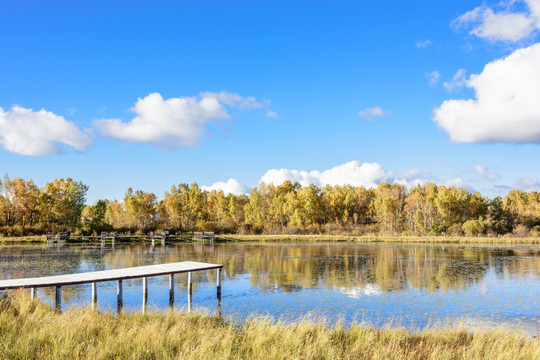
(315, 238)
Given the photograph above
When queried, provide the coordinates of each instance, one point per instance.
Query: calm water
(407, 285)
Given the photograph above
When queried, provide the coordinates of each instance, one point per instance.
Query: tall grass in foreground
(31, 330)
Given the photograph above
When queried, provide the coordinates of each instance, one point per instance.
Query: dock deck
(118, 275)
(107, 275)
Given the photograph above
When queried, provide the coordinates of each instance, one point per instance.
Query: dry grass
(23, 239)
(31, 330)
(396, 239)
(321, 238)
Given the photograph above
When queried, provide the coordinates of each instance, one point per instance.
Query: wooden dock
(116, 275)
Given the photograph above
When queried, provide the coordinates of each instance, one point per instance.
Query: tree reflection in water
(353, 270)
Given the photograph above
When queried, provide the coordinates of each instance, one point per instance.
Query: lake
(401, 284)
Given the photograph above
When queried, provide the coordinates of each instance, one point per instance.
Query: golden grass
(337, 238)
(23, 239)
(396, 239)
(31, 330)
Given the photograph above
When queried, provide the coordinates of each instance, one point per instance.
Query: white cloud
(483, 171)
(458, 81)
(506, 108)
(433, 77)
(232, 186)
(457, 182)
(176, 121)
(527, 185)
(372, 113)
(368, 175)
(411, 183)
(35, 133)
(271, 114)
(422, 43)
(504, 25)
(414, 173)
(353, 173)
(233, 99)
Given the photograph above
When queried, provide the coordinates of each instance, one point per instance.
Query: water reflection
(380, 282)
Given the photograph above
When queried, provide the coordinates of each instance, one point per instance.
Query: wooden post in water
(219, 283)
(94, 296)
(58, 298)
(171, 290)
(145, 294)
(33, 293)
(190, 290)
(119, 296)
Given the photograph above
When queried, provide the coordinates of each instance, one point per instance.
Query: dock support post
(94, 296)
(33, 293)
(190, 290)
(119, 296)
(58, 298)
(145, 294)
(171, 290)
(218, 283)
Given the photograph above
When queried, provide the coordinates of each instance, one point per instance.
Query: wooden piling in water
(58, 298)
(171, 290)
(145, 295)
(119, 296)
(94, 296)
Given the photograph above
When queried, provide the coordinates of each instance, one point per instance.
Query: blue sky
(151, 94)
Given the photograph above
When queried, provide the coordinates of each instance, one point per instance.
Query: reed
(389, 239)
(31, 330)
(23, 239)
(330, 238)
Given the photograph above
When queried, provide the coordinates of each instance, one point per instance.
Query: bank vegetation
(31, 330)
(287, 209)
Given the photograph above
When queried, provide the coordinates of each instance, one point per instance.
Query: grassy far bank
(23, 239)
(329, 238)
(30, 329)
(397, 239)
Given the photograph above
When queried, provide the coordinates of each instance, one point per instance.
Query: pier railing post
(171, 290)
(58, 298)
(94, 296)
(145, 295)
(119, 296)
(33, 293)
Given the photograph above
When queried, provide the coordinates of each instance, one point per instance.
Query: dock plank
(108, 275)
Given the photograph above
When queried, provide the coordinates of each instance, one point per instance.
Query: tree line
(288, 208)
